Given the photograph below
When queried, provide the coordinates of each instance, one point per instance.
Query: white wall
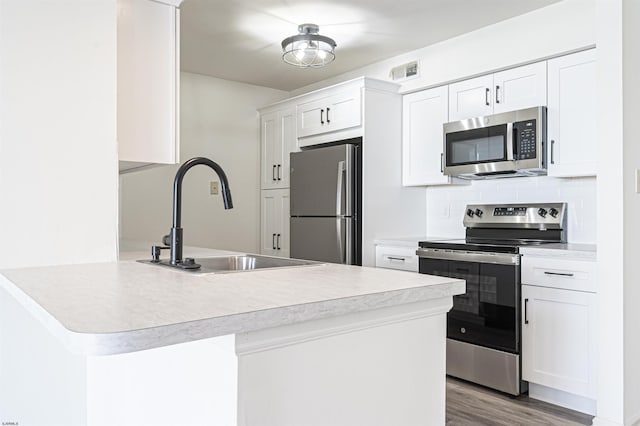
(219, 121)
(553, 30)
(58, 159)
(631, 164)
(611, 231)
(446, 204)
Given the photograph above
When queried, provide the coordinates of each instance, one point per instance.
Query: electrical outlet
(213, 187)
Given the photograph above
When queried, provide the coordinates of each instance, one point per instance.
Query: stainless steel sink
(248, 262)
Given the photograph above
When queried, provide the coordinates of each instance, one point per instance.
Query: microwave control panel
(525, 133)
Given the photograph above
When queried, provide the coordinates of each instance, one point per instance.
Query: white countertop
(411, 241)
(126, 306)
(584, 251)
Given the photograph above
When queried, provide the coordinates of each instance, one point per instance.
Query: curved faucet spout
(176, 230)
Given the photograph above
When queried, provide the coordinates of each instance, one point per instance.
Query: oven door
(488, 313)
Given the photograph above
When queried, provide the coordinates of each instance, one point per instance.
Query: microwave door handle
(511, 142)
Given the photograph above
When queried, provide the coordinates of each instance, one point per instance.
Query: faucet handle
(155, 253)
(166, 240)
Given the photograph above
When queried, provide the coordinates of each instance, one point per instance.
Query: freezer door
(325, 239)
(322, 181)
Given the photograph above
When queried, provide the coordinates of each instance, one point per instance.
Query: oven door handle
(470, 256)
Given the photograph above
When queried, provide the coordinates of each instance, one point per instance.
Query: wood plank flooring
(469, 404)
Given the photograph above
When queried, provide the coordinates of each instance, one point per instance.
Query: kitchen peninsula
(120, 343)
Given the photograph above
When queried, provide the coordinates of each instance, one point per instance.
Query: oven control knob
(553, 212)
(542, 212)
(478, 212)
(470, 213)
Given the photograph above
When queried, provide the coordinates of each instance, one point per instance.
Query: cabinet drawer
(403, 258)
(559, 273)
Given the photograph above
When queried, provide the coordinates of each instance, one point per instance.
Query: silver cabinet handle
(273, 241)
(442, 162)
(322, 116)
(497, 99)
(273, 173)
(526, 318)
(559, 274)
(552, 144)
(401, 259)
(278, 241)
(486, 96)
(328, 121)
(279, 172)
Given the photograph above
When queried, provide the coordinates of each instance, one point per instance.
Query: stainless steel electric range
(483, 327)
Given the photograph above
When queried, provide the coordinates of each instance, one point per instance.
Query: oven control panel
(535, 215)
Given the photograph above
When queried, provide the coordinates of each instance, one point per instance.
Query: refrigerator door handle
(341, 252)
(340, 184)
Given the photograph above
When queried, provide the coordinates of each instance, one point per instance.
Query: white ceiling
(240, 39)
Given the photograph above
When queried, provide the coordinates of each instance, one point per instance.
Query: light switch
(213, 187)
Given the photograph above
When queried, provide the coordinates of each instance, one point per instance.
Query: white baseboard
(563, 399)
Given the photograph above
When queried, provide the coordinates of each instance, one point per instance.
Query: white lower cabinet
(401, 258)
(274, 240)
(558, 339)
(559, 331)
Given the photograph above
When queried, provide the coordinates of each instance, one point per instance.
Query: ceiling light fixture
(308, 49)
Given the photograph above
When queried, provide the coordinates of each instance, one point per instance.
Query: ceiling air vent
(404, 71)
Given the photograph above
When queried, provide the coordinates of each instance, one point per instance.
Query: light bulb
(322, 54)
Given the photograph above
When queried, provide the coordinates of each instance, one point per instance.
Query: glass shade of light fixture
(308, 49)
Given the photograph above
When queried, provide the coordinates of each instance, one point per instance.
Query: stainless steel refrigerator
(326, 202)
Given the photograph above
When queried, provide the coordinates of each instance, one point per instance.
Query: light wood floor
(469, 404)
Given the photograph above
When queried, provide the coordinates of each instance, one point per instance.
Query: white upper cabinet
(520, 88)
(423, 114)
(509, 90)
(471, 98)
(148, 78)
(278, 140)
(335, 112)
(571, 115)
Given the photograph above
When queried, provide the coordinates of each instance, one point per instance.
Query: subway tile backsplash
(446, 204)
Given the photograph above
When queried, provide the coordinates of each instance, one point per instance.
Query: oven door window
(484, 145)
(486, 315)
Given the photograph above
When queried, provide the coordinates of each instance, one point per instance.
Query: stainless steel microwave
(500, 145)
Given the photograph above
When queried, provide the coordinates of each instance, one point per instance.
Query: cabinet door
(331, 113)
(471, 98)
(289, 143)
(148, 76)
(275, 222)
(559, 339)
(423, 114)
(571, 115)
(278, 139)
(271, 149)
(519, 88)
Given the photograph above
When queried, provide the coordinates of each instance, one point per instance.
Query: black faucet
(175, 236)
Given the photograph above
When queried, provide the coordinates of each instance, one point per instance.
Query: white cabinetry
(274, 240)
(148, 78)
(278, 139)
(509, 90)
(331, 113)
(401, 258)
(572, 115)
(423, 114)
(559, 330)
